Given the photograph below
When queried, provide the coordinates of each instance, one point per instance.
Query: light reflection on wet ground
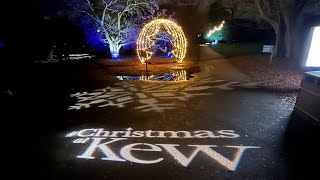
(174, 75)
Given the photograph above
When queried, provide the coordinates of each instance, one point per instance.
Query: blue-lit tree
(116, 22)
(217, 36)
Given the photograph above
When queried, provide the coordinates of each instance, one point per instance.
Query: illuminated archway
(145, 41)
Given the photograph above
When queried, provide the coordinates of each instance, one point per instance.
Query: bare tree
(295, 13)
(288, 17)
(237, 8)
(233, 10)
(270, 11)
(185, 2)
(119, 21)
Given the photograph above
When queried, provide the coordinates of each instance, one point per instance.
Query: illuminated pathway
(219, 125)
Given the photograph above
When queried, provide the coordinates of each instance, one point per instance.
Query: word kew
(101, 142)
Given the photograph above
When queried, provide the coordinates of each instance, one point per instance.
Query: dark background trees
(242, 23)
(291, 21)
(288, 22)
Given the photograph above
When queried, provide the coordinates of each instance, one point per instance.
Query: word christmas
(153, 134)
(101, 141)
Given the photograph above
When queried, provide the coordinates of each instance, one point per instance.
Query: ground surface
(277, 76)
(249, 133)
(229, 50)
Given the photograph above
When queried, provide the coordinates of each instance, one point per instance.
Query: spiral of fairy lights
(146, 40)
(215, 29)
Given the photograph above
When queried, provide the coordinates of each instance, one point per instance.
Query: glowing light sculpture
(215, 29)
(146, 40)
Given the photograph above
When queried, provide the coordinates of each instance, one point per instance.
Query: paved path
(216, 126)
(208, 54)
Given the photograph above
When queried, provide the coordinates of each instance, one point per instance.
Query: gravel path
(281, 76)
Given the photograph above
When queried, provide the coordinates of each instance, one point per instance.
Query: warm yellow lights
(215, 29)
(146, 40)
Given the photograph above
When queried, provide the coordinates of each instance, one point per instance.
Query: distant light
(98, 30)
(1, 44)
(207, 43)
(313, 59)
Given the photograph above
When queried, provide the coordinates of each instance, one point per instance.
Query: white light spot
(314, 53)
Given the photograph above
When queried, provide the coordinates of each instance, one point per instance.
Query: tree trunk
(291, 37)
(299, 37)
(280, 43)
(280, 30)
(295, 38)
(290, 17)
(114, 50)
(289, 42)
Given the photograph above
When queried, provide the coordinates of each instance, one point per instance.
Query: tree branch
(302, 5)
(91, 16)
(267, 17)
(125, 44)
(89, 5)
(107, 8)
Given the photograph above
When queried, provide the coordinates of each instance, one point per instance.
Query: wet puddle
(174, 75)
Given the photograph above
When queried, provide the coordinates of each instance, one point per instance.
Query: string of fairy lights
(146, 40)
(215, 29)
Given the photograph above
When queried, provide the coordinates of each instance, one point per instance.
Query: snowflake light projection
(151, 97)
(146, 40)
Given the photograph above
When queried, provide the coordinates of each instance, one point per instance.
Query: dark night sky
(12, 9)
(22, 22)
(48, 7)
(12, 13)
